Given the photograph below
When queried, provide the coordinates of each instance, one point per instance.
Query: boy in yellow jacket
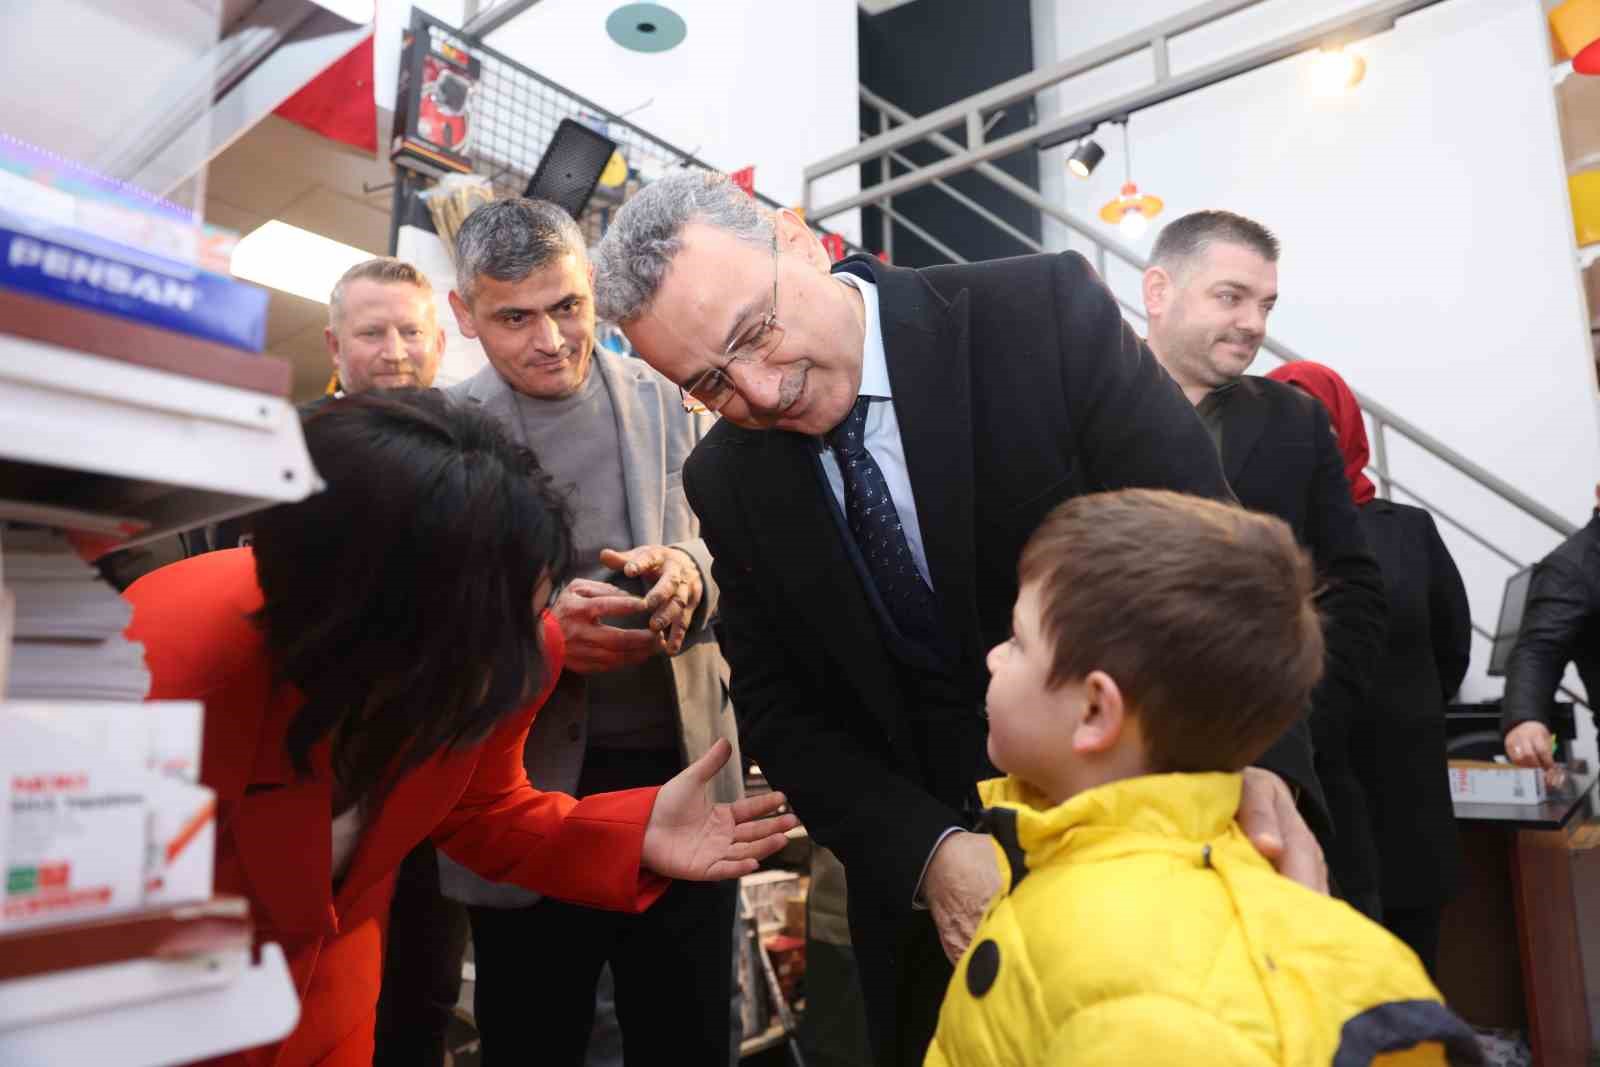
(1160, 643)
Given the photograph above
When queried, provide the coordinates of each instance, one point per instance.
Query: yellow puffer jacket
(1141, 927)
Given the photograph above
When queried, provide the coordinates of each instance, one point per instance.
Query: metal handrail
(1383, 418)
(972, 112)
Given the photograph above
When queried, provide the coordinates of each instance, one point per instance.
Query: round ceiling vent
(646, 27)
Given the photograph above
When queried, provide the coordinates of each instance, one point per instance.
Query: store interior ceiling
(279, 170)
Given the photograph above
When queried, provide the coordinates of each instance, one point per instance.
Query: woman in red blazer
(370, 669)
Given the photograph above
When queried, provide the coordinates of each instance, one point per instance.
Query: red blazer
(274, 842)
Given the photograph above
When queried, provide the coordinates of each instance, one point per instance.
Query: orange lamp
(1131, 200)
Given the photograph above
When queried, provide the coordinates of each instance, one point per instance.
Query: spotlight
(1085, 157)
(1336, 70)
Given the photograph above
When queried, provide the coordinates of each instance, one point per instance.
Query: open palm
(690, 838)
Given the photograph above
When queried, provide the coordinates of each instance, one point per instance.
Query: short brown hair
(1201, 612)
(382, 269)
(1184, 239)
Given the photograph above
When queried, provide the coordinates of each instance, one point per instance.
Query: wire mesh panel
(515, 113)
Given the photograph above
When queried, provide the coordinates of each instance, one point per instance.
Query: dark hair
(507, 240)
(399, 600)
(1183, 239)
(1201, 612)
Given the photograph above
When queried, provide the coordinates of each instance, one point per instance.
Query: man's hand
(962, 878)
(676, 594)
(1529, 744)
(592, 646)
(1268, 817)
(689, 837)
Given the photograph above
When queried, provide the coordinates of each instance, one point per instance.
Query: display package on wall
(433, 109)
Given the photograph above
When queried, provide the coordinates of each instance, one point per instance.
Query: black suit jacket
(1398, 740)
(1016, 385)
(1281, 457)
(1560, 623)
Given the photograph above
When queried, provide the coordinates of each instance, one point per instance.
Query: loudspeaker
(571, 166)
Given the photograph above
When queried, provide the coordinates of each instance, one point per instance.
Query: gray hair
(646, 234)
(1194, 233)
(507, 240)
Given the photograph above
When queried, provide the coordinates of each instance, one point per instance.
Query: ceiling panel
(289, 315)
(342, 218)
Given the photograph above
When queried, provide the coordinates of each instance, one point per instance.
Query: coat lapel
(636, 403)
(1244, 417)
(926, 342)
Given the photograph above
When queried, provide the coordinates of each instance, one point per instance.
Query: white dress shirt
(882, 439)
(882, 434)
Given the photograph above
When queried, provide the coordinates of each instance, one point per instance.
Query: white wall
(1428, 246)
(754, 82)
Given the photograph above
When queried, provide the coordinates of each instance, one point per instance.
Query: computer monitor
(1505, 633)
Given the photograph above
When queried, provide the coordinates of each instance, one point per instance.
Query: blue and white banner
(124, 281)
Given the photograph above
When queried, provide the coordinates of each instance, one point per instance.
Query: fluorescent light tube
(296, 261)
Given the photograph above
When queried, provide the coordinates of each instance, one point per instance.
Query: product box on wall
(433, 106)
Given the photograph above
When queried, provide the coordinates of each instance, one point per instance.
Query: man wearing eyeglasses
(889, 439)
(642, 692)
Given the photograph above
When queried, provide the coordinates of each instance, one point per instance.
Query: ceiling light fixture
(1336, 70)
(646, 27)
(1130, 211)
(1085, 157)
(293, 260)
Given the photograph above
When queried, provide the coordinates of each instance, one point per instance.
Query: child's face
(1030, 725)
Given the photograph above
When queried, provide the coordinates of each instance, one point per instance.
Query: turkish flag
(338, 103)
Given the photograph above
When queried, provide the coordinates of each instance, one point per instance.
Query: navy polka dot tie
(876, 527)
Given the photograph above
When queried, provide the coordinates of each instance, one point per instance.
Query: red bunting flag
(338, 103)
(883, 257)
(745, 179)
(835, 246)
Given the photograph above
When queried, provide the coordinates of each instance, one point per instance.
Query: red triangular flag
(338, 103)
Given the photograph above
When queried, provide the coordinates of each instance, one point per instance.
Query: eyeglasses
(711, 390)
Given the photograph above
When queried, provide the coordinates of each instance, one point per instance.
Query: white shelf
(175, 451)
(257, 1007)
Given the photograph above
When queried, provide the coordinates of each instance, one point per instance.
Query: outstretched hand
(690, 838)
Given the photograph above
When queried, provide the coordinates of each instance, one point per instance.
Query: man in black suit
(1212, 282)
(889, 439)
(1560, 624)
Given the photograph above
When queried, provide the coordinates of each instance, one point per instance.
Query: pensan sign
(75, 268)
(118, 279)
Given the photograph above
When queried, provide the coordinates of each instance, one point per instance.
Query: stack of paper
(67, 625)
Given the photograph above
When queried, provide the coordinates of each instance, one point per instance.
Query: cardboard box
(73, 827)
(1486, 782)
(767, 894)
(794, 916)
(162, 736)
(182, 842)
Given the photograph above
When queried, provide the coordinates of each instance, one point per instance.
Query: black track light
(1085, 157)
